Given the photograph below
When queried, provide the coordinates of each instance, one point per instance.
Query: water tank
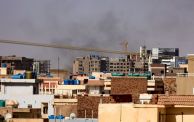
(130, 74)
(17, 76)
(136, 74)
(2, 103)
(60, 117)
(51, 117)
(91, 77)
(76, 82)
(118, 74)
(28, 75)
(71, 82)
(66, 82)
(4, 65)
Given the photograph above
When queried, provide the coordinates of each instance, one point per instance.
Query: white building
(169, 62)
(24, 92)
(19, 86)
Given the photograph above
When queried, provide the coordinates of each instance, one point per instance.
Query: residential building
(158, 69)
(104, 64)
(43, 102)
(18, 63)
(62, 74)
(21, 114)
(120, 65)
(25, 93)
(95, 87)
(48, 85)
(134, 57)
(19, 86)
(41, 66)
(133, 86)
(70, 90)
(126, 112)
(169, 63)
(155, 86)
(163, 53)
(89, 64)
(180, 60)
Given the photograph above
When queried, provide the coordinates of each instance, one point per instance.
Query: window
(45, 108)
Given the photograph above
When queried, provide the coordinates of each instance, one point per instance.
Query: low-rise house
(95, 87)
(25, 93)
(48, 84)
(19, 86)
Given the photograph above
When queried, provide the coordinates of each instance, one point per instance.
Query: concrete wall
(34, 100)
(127, 113)
(185, 85)
(191, 63)
(144, 113)
(176, 115)
(90, 103)
(18, 89)
(66, 110)
(26, 120)
(94, 90)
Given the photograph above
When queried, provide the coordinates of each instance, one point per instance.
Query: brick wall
(170, 86)
(90, 103)
(127, 85)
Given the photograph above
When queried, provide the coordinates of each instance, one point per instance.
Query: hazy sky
(95, 23)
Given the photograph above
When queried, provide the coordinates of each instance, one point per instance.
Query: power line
(66, 47)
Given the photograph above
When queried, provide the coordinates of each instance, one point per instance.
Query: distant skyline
(95, 23)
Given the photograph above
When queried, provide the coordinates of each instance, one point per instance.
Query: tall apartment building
(89, 64)
(104, 64)
(120, 65)
(164, 53)
(41, 66)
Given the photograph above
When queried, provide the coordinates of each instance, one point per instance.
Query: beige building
(86, 65)
(145, 113)
(190, 63)
(48, 85)
(185, 85)
(120, 65)
(62, 74)
(185, 81)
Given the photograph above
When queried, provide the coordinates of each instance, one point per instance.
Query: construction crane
(124, 45)
(67, 47)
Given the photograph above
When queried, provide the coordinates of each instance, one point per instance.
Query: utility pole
(58, 66)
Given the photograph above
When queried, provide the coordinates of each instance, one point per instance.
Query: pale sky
(95, 23)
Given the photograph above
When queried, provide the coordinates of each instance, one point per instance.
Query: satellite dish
(72, 116)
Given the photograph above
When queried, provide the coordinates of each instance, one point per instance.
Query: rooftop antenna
(58, 66)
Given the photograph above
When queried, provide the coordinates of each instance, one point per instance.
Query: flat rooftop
(17, 80)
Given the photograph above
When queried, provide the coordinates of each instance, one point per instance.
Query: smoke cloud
(94, 23)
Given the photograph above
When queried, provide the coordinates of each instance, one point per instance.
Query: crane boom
(65, 47)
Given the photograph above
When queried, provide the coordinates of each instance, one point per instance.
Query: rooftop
(18, 80)
(187, 100)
